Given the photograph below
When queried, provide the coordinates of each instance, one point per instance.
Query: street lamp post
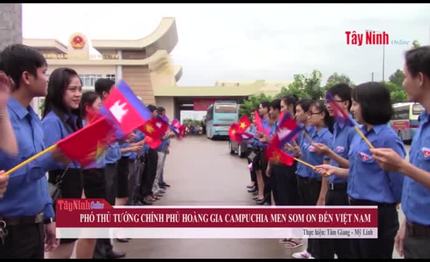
(383, 62)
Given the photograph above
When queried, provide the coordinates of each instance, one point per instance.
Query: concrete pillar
(10, 24)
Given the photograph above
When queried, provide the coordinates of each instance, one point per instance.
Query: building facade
(146, 65)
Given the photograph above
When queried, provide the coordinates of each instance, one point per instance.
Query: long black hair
(59, 80)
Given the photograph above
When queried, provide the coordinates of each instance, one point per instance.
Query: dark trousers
(267, 180)
(104, 246)
(123, 174)
(149, 172)
(134, 180)
(336, 196)
(24, 241)
(284, 185)
(94, 182)
(252, 171)
(388, 224)
(417, 244)
(309, 191)
(111, 179)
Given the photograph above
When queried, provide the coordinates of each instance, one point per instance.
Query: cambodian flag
(176, 127)
(340, 115)
(287, 129)
(125, 109)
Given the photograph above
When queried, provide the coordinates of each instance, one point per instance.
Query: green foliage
(250, 104)
(397, 77)
(394, 85)
(313, 85)
(415, 44)
(192, 122)
(310, 87)
(336, 78)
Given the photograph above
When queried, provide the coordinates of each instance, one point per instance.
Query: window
(225, 108)
(89, 79)
(417, 109)
(401, 113)
(111, 77)
(209, 115)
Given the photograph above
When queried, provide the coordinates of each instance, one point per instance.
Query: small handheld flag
(125, 109)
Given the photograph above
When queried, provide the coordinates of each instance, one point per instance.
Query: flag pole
(363, 137)
(307, 164)
(25, 162)
(355, 126)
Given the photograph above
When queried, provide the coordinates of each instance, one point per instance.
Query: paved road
(202, 172)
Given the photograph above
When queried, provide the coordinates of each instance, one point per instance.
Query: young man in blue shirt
(7, 141)
(338, 154)
(26, 208)
(413, 238)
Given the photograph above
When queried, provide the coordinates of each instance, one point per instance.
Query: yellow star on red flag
(149, 128)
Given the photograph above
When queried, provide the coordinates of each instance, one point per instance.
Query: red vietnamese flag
(244, 123)
(234, 134)
(149, 129)
(161, 124)
(259, 124)
(181, 131)
(276, 155)
(86, 144)
(152, 142)
(155, 128)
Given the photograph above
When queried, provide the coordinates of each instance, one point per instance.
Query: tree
(397, 77)
(251, 103)
(397, 93)
(304, 87)
(336, 78)
(313, 85)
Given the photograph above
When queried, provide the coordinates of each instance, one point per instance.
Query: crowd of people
(128, 172)
(347, 171)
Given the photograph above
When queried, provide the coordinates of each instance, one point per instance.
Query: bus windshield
(225, 108)
(417, 109)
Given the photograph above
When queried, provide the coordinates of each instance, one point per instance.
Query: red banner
(94, 213)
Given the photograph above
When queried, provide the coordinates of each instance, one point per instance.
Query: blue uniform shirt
(367, 180)
(342, 138)
(416, 196)
(27, 192)
(308, 153)
(164, 145)
(55, 130)
(253, 131)
(124, 145)
(113, 153)
(300, 171)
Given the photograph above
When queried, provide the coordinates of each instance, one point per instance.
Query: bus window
(417, 109)
(405, 119)
(220, 116)
(225, 108)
